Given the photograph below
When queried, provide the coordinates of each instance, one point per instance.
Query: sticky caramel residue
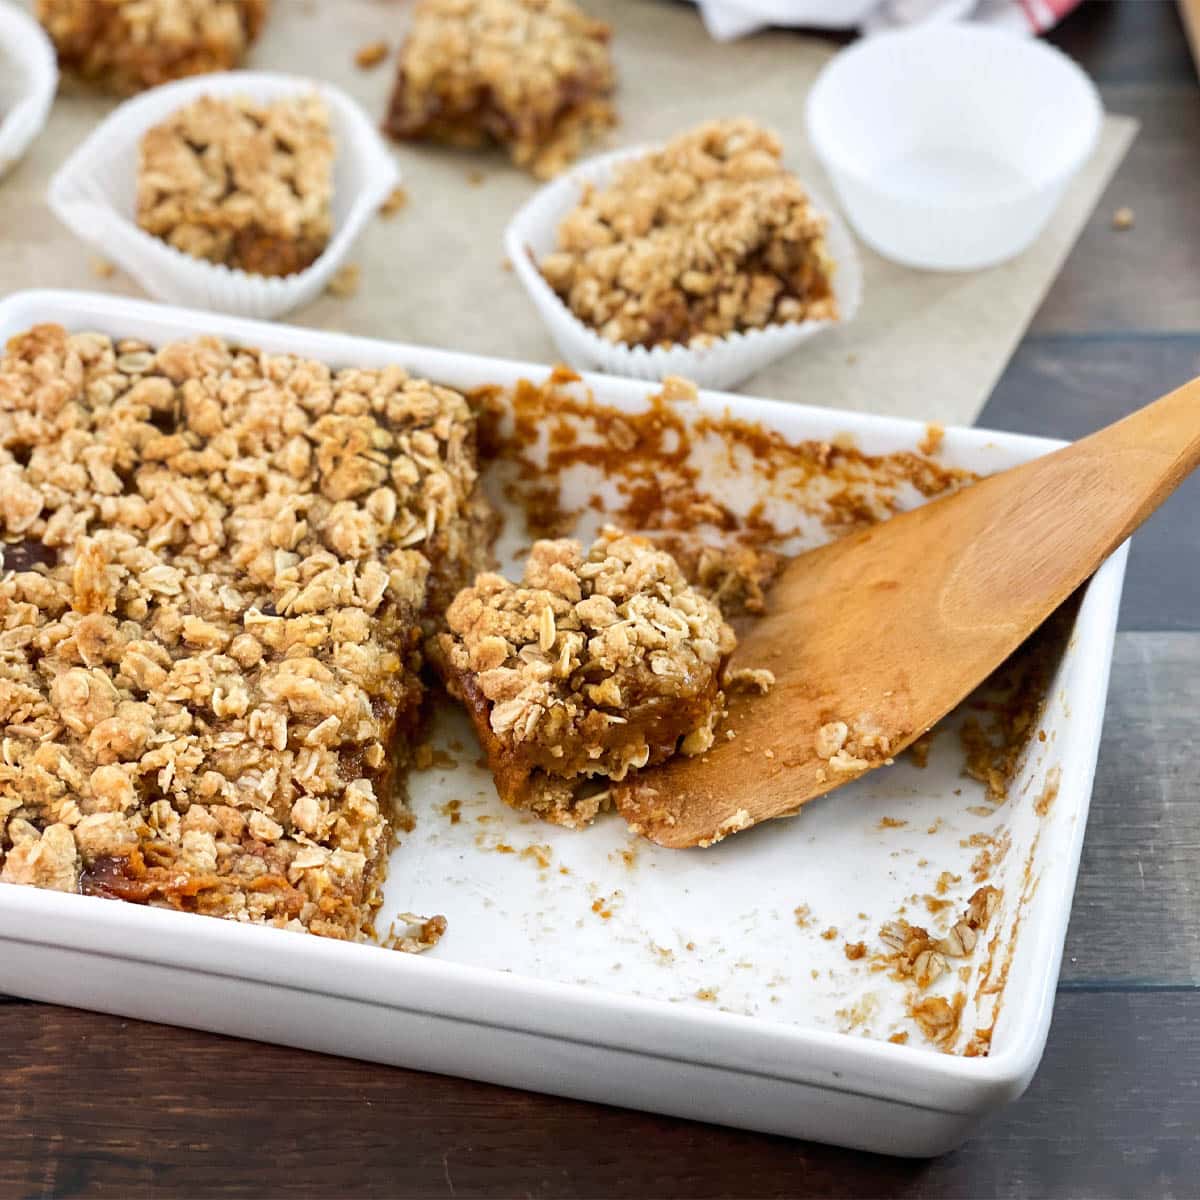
(552, 428)
(538, 853)
(1049, 793)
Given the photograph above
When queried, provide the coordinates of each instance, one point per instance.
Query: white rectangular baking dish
(679, 982)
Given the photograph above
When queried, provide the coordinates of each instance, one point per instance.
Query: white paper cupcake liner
(28, 81)
(726, 362)
(94, 195)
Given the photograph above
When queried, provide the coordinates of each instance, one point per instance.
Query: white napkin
(729, 19)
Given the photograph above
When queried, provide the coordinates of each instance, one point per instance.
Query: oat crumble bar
(218, 568)
(532, 75)
(596, 664)
(708, 236)
(127, 45)
(244, 184)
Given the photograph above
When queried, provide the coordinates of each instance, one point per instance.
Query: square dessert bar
(532, 75)
(218, 567)
(127, 45)
(708, 236)
(244, 184)
(595, 665)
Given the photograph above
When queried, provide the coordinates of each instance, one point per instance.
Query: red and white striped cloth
(728, 19)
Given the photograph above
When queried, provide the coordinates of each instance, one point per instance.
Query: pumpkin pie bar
(534, 76)
(598, 663)
(218, 569)
(239, 183)
(127, 45)
(709, 236)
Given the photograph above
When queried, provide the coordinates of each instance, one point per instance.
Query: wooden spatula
(885, 631)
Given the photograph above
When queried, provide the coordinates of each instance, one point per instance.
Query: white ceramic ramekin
(28, 81)
(93, 194)
(723, 364)
(950, 145)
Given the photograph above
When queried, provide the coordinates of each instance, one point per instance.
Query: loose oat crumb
(803, 915)
(939, 1018)
(709, 994)
(830, 933)
(345, 282)
(415, 935)
(102, 268)
(891, 823)
(855, 950)
(851, 747)
(371, 54)
(1123, 219)
(899, 1038)
(476, 178)
(749, 679)
(945, 881)
(931, 442)
(395, 200)
(423, 757)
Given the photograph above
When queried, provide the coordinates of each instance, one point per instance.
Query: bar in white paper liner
(28, 81)
(728, 361)
(94, 194)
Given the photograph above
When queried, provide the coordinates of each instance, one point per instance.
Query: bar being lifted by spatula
(874, 638)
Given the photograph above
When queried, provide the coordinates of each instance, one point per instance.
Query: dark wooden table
(93, 1105)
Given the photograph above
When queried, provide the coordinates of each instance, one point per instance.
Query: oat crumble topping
(244, 184)
(127, 45)
(596, 664)
(708, 236)
(217, 564)
(535, 76)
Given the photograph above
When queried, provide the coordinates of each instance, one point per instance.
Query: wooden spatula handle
(1154, 448)
(1060, 516)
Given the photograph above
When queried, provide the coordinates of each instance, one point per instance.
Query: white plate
(531, 987)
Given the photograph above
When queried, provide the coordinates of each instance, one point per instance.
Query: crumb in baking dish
(598, 663)
(370, 54)
(218, 568)
(239, 183)
(711, 235)
(127, 45)
(535, 76)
